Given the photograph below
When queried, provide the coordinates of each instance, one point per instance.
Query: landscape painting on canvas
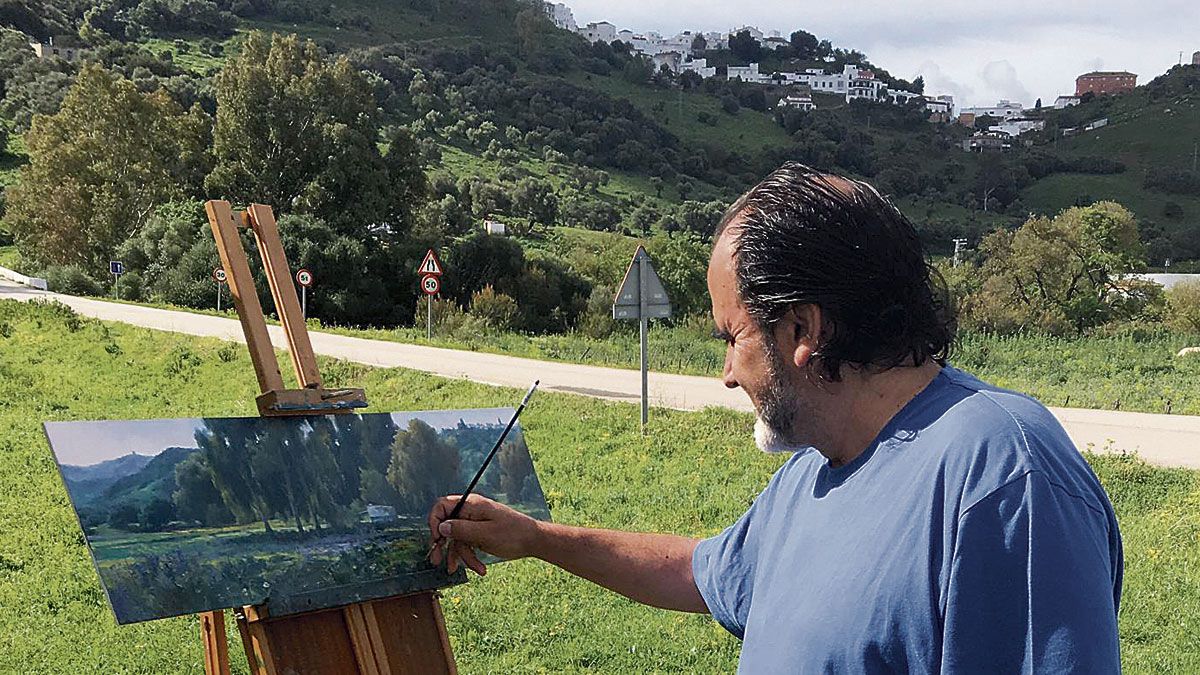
(188, 515)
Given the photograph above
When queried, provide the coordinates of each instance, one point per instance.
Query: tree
(699, 44)
(534, 198)
(1062, 274)
(424, 467)
(918, 85)
(195, 496)
(804, 45)
(100, 166)
(744, 47)
(298, 132)
(657, 184)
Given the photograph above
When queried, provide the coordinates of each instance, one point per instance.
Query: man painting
(925, 521)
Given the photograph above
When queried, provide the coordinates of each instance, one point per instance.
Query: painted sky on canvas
(979, 52)
(84, 444)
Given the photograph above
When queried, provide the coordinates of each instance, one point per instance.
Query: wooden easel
(405, 634)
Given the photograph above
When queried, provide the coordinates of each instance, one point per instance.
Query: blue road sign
(116, 267)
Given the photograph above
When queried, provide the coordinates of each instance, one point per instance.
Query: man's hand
(655, 569)
(482, 524)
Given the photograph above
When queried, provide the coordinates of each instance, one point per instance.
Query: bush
(497, 311)
(596, 321)
(131, 287)
(72, 280)
(1183, 306)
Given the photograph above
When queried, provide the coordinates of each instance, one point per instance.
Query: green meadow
(693, 474)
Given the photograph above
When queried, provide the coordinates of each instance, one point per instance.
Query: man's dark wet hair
(804, 237)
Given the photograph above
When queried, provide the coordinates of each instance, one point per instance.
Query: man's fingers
(472, 561)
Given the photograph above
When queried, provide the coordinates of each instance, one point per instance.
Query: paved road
(1168, 440)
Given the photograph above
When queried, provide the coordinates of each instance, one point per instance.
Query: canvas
(188, 515)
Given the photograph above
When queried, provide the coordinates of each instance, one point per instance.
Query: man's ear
(798, 333)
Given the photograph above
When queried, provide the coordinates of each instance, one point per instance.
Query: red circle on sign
(219, 275)
(304, 278)
(431, 284)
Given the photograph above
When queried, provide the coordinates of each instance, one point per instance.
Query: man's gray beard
(778, 408)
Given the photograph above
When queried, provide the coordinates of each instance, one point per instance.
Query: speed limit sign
(219, 275)
(304, 278)
(431, 284)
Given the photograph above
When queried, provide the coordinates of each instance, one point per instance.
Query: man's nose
(727, 375)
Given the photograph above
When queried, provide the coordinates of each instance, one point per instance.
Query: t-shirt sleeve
(1033, 584)
(723, 567)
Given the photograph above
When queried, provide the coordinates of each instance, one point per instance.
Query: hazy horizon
(1020, 50)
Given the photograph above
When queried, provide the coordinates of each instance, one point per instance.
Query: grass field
(693, 474)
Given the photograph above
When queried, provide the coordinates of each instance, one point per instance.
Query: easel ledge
(405, 634)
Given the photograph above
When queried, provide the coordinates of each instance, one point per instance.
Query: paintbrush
(488, 460)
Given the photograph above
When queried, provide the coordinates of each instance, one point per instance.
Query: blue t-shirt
(970, 537)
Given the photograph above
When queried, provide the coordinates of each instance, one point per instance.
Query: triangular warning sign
(641, 283)
(431, 264)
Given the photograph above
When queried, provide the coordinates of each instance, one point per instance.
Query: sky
(979, 52)
(87, 443)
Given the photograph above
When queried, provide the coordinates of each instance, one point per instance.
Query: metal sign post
(218, 276)
(642, 297)
(305, 279)
(431, 282)
(117, 268)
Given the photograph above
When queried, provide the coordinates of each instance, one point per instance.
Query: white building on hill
(700, 67)
(1065, 102)
(801, 99)
(744, 73)
(1003, 110)
(1015, 126)
(561, 16)
(602, 31)
(50, 50)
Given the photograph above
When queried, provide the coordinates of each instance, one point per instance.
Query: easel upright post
(396, 635)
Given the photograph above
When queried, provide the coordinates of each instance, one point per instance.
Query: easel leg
(216, 647)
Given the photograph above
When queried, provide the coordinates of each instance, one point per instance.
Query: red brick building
(1105, 82)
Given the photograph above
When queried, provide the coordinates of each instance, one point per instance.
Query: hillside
(508, 118)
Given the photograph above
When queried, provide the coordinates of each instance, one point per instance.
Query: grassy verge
(693, 474)
(1135, 371)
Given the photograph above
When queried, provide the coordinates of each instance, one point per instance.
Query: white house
(863, 84)
(48, 50)
(560, 15)
(602, 31)
(1065, 102)
(700, 67)
(715, 40)
(797, 100)
(1015, 126)
(672, 60)
(494, 227)
(378, 513)
(754, 33)
(901, 97)
(1003, 110)
(941, 108)
(776, 43)
(625, 35)
(744, 73)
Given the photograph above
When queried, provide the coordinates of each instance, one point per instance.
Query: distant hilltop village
(679, 53)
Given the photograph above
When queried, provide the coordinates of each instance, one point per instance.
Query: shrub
(499, 312)
(72, 280)
(596, 321)
(1183, 306)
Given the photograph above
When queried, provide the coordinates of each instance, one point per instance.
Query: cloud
(937, 81)
(1001, 77)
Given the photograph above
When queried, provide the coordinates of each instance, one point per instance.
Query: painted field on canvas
(187, 515)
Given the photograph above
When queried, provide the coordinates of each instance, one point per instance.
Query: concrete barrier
(32, 282)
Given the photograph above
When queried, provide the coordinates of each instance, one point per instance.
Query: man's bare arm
(654, 569)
